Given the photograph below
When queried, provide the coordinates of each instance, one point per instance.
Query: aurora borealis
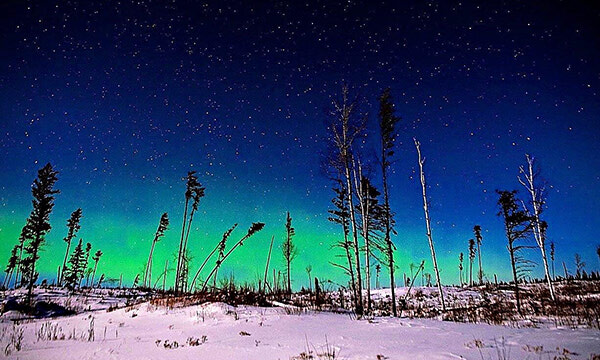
(124, 98)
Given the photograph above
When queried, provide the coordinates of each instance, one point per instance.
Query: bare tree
(265, 284)
(579, 265)
(256, 227)
(529, 175)
(428, 224)
(345, 129)
(163, 225)
(221, 248)
(194, 191)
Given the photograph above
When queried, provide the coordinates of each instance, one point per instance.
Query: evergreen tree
(96, 258)
(73, 227)
(387, 129)
(25, 234)
(517, 226)
(13, 261)
(163, 225)
(479, 238)
(460, 268)
(289, 249)
(39, 222)
(552, 251)
(88, 248)
(341, 215)
(579, 265)
(74, 271)
(472, 253)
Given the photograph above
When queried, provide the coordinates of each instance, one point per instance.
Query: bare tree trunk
(479, 257)
(62, 269)
(165, 275)
(180, 254)
(428, 224)
(94, 273)
(364, 210)
(148, 273)
(514, 272)
(267, 264)
(388, 240)
(537, 201)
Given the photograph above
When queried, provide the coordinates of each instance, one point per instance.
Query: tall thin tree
(73, 227)
(192, 191)
(428, 224)
(163, 225)
(517, 225)
(39, 221)
(479, 238)
(289, 249)
(529, 178)
(345, 128)
(387, 129)
(96, 259)
(472, 253)
(460, 268)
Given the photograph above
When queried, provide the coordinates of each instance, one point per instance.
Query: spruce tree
(75, 269)
(387, 128)
(39, 222)
(10, 267)
(25, 234)
(472, 252)
(517, 226)
(289, 250)
(460, 268)
(73, 227)
(479, 238)
(88, 248)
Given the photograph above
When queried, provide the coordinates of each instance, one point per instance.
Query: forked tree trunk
(428, 224)
(536, 200)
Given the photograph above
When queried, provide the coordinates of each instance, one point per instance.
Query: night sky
(124, 98)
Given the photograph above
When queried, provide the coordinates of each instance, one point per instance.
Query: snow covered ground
(220, 331)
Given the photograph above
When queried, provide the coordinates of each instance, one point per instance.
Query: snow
(221, 331)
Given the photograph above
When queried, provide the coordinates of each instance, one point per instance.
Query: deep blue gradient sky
(124, 98)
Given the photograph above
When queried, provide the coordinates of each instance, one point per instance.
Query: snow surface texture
(220, 331)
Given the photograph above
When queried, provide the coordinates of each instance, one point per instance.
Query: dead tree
(529, 180)
(221, 247)
(265, 284)
(256, 227)
(345, 129)
(428, 224)
(160, 232)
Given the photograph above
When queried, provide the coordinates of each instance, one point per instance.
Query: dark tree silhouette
(472, 254)
(96, 258)
(163, 225)
(461, 258)
(193, 191)
(39, 222)
(552, 252)
(74, 271)
(479, 238)
(341, 215)
(289, 250)
(73, 227)
(25, 234)
(13, 261)
(346, 126)
(517, 225)
(88, 249)
(387, 129)
(254, 228)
